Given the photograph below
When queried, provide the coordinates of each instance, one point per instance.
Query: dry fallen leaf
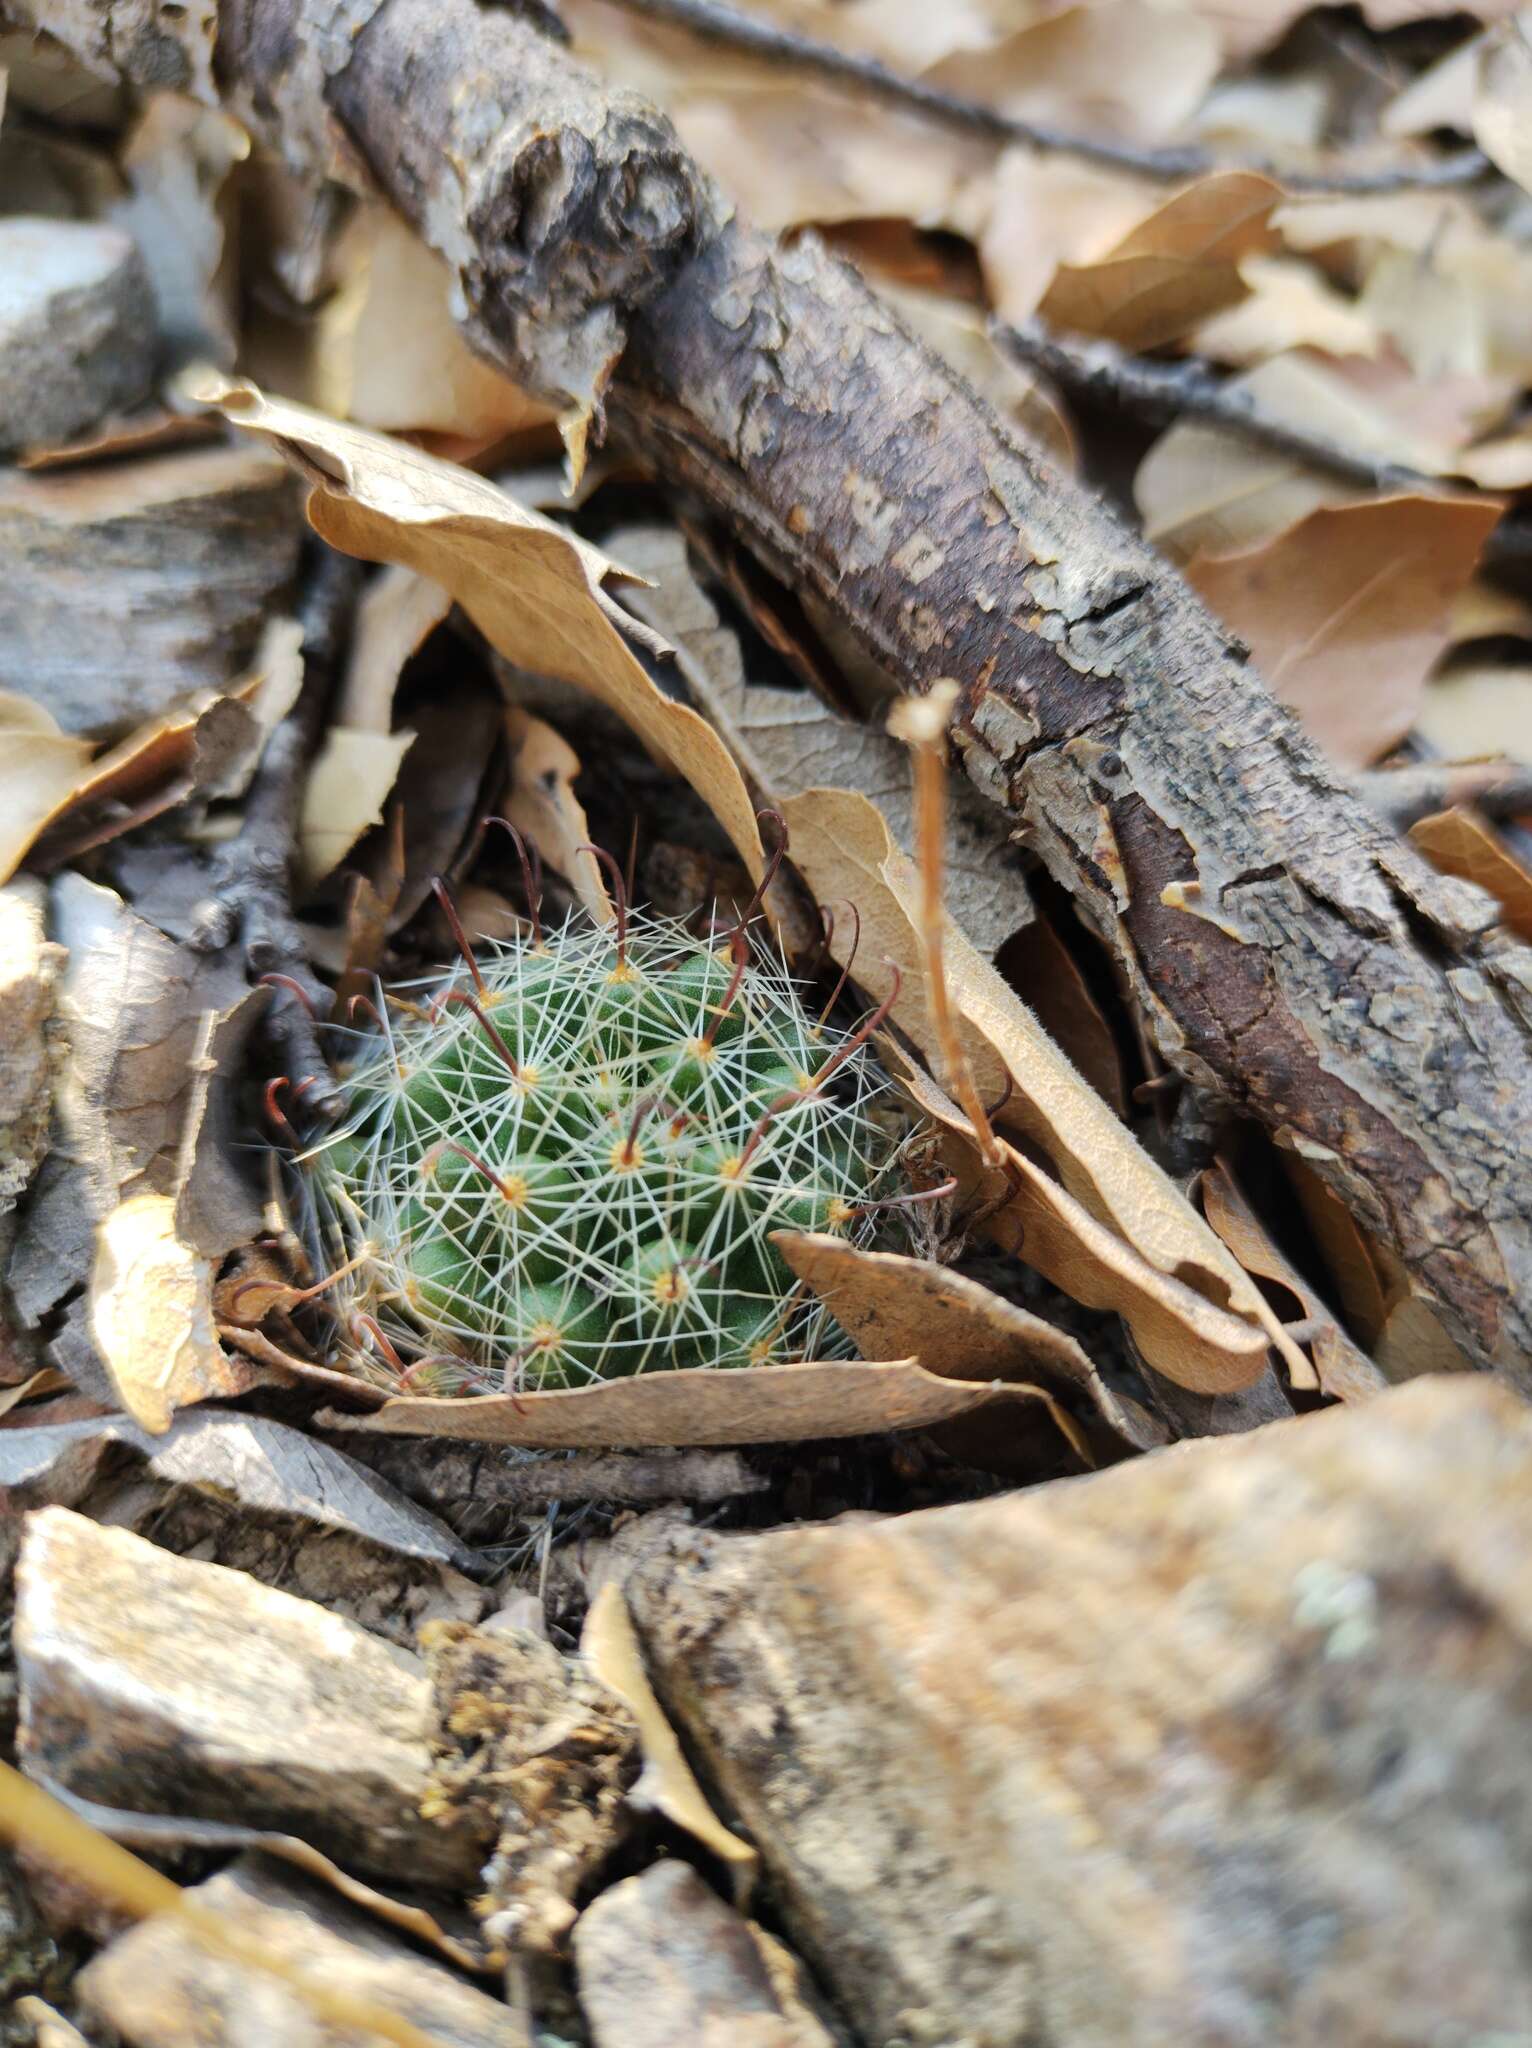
(1173, 270)
(535, 591)
(955, 1327)
(1344, 1372)
(842, 847)
(1117, 67)
(151, 1316)
(397, 613)
(1478, 710)
(1044, 212)
(388, 353)
(1502, 98)
(1346, 613)
(609, 1647)
(1457, 842)
(41, 769)
(540, 802)
(1198, 488)
(344, 795)
(762, 1404)
(1178, 1330)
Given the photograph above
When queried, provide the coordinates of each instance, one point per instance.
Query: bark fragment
(160, 1685)
(77, 329)
(1219, 1747)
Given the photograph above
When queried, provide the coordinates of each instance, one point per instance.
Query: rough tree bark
(1290, 951)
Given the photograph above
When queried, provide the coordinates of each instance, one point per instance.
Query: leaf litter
(158, 1266)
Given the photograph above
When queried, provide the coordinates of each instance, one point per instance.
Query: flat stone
(77, 329)
(159, 1987)
(128, 586)
(1226, 1748)
(161, 1685)
(662, 1960)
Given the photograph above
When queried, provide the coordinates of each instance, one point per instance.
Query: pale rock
(1225, 1748)
(77, 329)
(161, 1685)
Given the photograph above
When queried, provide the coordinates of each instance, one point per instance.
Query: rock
(663, 1960)
(29, 971)
(157, 1986)
(1222, 1748)
(128, 586)
(78, 335)
(164, 1686)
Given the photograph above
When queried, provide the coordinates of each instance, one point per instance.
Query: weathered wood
(1288, 951)
(166, 1686)
(1224, 1746)
(78, 338)
(128, 586)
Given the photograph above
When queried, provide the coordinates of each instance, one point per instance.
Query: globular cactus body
(571, 1171)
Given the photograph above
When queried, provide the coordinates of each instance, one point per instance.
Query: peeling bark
(1290, 952)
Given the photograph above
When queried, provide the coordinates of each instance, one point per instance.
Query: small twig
(1189, 388)
(718, 24)
(449, 1475)
(1502, 790)
(249, 886)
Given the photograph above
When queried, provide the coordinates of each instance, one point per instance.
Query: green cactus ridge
(601, 1203)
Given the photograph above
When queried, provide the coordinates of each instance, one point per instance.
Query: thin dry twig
(1161, 392)
(718, 24)
(249, 887)
(1502, 790)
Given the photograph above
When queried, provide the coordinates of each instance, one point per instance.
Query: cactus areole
(566, 1167)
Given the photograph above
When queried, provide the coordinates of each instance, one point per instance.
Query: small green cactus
(569, 1172)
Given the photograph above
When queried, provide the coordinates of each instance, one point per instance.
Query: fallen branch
(714, 23)
(249, 890)
(1288, 950)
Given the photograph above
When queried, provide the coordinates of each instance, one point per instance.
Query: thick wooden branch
(1289, 950)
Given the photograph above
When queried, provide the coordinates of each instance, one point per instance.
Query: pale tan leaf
(1045, 211)
(41, 770)
(1178, 1330)
(1457, 842)
(535, 591)
(842, 847)
(1503, 464)
(762, 1404)
(344, 796)
(609, 1647)
(1478, 710)
(1115, 68)
(389, 353)
(954, 1327)
(1344, 1372)
(151, 1316)
(1288, 306)
(1502, 98)
(541, 803)
(1198, 488)
(1346, 613)
(1174, 270)
(1441, 96)
(398, 612)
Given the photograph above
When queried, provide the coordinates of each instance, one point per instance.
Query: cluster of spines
(566, 1166)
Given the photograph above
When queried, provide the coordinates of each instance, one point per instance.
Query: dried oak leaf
(536, 592)
(610, 1648)
(151, 1316)
(955, 1327)
(540, 802)
(1346, 612)
(1457, 842)
(765, 1404)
